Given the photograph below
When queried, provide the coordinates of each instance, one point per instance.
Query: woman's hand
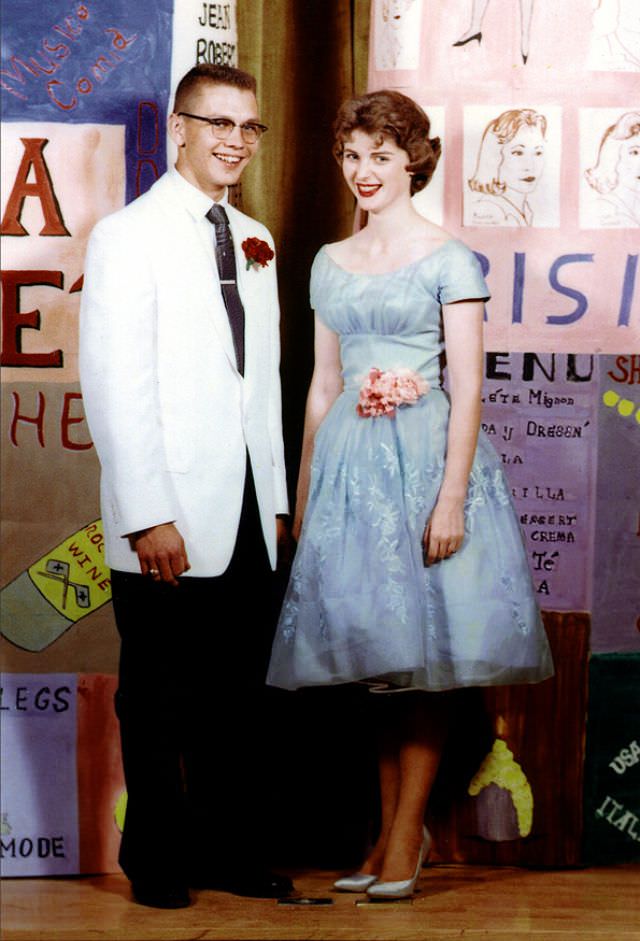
(444, 532)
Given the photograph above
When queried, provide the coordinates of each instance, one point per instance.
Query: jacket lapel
(253, 290)
(199, 262)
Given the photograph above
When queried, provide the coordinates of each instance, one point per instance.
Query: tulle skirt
(362, 605)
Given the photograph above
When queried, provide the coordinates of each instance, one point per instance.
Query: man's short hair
(212, 75)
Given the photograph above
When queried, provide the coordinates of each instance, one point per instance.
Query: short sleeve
(314, 284)
(461, 277)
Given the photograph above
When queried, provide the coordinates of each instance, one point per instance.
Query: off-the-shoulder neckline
(382, 274)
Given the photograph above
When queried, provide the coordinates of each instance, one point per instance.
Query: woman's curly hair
(390, 114)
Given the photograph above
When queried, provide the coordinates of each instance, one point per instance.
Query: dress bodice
(394, 320)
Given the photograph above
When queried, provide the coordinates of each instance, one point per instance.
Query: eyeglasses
(223, 127)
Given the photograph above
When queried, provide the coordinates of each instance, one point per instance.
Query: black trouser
(192, 706)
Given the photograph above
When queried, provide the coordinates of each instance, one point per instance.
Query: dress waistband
(382, 391)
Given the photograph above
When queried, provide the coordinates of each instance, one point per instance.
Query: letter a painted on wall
(41, 188)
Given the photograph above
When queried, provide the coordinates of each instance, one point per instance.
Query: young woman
(410, 572)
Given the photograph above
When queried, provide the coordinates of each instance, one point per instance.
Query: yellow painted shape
(500, 768)
(73, 576)
(625, 406)
(120, 811)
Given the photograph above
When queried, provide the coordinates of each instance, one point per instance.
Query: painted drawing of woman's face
(522, 160)
(628, 166)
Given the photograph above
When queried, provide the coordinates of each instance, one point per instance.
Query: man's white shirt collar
(197, 202)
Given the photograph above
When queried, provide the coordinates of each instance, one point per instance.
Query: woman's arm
(463, 340)
(326, 386)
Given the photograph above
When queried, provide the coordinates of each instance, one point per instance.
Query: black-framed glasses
(222, 128)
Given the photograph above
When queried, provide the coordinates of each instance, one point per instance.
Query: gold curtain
(308, 56)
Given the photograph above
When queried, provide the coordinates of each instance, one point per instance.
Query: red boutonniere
(257, 252)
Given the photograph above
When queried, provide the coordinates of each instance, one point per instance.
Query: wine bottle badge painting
(61, 587)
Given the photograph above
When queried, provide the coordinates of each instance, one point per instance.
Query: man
(179, 364)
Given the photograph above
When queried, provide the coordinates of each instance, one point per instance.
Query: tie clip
(228, 282)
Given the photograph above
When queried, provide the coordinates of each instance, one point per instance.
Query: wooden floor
(469, 902)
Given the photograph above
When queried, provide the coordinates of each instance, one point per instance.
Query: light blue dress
(360, 604)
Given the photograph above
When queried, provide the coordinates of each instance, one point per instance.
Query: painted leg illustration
(478, 9)
(526, 12)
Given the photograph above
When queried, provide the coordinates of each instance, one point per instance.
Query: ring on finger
(154, 572)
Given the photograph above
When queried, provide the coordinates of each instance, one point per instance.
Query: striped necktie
(226, 261)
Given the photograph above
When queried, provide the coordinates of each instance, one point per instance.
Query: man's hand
(162, 553)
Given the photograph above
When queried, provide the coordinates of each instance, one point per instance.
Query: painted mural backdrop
(538, 107)
(541, 124)
(85, 89)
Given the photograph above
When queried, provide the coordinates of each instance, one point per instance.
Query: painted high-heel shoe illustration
(403, 888)
(463, 42)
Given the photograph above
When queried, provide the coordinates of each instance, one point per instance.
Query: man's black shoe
(251, 883)
(158, 895)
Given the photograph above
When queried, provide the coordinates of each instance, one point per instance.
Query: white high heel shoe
(357, 882)
(403, 888)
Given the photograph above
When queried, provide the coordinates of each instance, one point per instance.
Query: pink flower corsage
(257, 252)
(382, 392)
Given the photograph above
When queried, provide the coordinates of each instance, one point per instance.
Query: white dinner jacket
(169, 413)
